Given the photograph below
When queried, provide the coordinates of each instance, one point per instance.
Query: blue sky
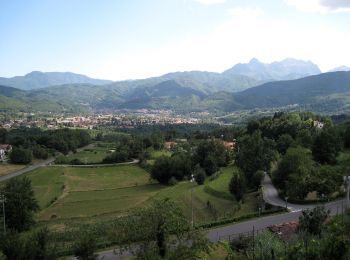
(128, 39)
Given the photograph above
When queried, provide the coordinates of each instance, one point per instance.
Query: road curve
(270, 195)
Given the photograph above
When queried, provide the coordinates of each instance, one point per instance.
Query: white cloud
(210, 2)
(321, 6)
(246, 12)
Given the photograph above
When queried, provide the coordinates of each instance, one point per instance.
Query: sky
(132, 39)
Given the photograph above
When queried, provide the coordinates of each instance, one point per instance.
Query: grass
(101, 202)
(220, 184)
(47, 184)
(158, 153)
(91, 194)
(8, 168)
(93, 155)
(208, 206)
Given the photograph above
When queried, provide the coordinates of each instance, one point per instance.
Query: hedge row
(238, 219)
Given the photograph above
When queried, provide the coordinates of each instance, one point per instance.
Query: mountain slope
(282, 70)
(12, 99)
(341, 68)
(303, 91)
(202, 81)
(37, 79)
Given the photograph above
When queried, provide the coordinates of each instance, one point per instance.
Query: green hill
(38, 79)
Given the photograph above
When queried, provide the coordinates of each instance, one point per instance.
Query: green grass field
(92, 155)
(67, 193)
(158, 153)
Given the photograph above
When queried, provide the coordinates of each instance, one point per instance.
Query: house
(230, 144)
(170, 145)
(5, 149)
(318, 124)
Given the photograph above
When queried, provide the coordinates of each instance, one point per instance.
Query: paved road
(26, 169)
(270, 195)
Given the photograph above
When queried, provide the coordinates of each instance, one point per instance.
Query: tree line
(29, 143)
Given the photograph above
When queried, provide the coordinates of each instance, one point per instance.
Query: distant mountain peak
(254, 61)
(286, 69)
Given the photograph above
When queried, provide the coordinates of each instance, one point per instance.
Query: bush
(40, 152)
(61, 160)
(76, 161)
(237, 186)
(257, 178)
(172, 181)
(199, 175)
(21, 155)
(84, 248)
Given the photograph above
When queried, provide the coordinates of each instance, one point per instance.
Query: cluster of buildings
(126, 119)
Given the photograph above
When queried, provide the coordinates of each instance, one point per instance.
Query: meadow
(92, 155)
(90, 194)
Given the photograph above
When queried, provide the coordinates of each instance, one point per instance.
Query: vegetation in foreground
(317, 237)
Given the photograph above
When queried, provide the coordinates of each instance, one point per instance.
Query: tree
(37, 246)
(283, 143)
(3, 135)
(34, 246)
(21, 155)
(211, 155)
(237, 185)
(20, 204)
(257, 178)
(311, 221)
(326, 146)
(164, 230)
(294, 172)
(255, 153)
(199, 174)
(161, 170)
(85, 247)
(177, 166)
(210, 165)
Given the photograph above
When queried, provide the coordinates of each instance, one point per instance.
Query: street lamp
(347, 183)
(192, 180)
(3, 200)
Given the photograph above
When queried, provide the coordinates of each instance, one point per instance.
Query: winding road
(230, 231)
(270, 195)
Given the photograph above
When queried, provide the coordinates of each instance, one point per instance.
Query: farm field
(8, 168)
(95, 154)
(72, 193)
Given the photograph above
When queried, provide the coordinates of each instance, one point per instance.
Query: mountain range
(38, 79)
(244, 86)
(278, 70)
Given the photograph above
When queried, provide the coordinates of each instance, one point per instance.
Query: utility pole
(347, 185)
(192, 180)
(3, 200)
